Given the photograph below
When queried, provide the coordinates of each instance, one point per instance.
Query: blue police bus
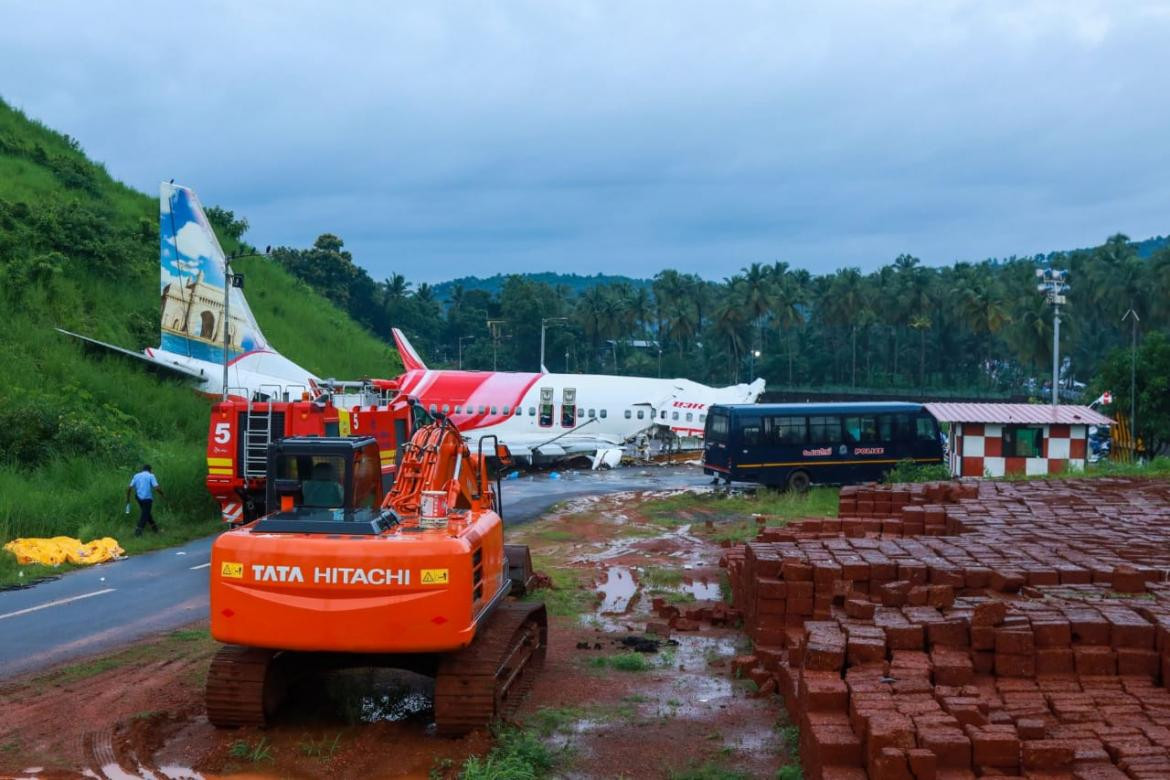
(795, 445)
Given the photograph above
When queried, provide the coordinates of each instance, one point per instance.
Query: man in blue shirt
(143, 484)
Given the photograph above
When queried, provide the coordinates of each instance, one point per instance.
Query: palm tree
(730, 318)
(788, 298)
(921, 323)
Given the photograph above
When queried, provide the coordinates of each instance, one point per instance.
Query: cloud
(445, 139)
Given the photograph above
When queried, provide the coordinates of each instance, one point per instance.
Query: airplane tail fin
(410, 359)
(192, 268)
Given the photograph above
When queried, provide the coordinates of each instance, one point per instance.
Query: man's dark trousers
(145, 504)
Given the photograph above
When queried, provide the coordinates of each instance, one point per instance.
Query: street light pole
(494, 327)
(461, 340)
(544, 321)
(1133, 315)
(1054, 285)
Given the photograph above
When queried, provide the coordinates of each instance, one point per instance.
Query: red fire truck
(240, 431)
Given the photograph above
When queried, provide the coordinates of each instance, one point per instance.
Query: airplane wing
(172, 368)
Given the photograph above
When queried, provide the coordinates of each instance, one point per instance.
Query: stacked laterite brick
(1022, 630)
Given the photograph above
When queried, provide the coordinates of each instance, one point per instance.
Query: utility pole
(1054, 285)
(461, 340)
(1133, 315)
(494, 327)
(543, 325)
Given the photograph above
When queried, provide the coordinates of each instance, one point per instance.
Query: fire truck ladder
(258, 434)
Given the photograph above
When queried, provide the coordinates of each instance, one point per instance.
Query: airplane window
(580, 412)
(663, 414)
(674, 416)
(507, 409)
(446, 408)
(519, 410)
(603, 413)
(629, 414)
(434, 408)
(641, 414)
(592, 412)
(702, 418)
(532, 411)
(493, 410)
(482, 409)
(458, 409)
(690, 416)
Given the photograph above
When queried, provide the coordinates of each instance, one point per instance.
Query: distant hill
(80, 250)
(575, 282)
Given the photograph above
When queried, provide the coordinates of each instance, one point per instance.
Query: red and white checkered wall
(977, 451)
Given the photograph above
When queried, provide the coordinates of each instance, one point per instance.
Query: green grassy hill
(80, 251)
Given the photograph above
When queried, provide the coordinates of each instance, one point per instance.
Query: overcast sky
(444, 139)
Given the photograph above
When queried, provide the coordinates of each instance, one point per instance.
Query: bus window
(750, 431)
(861, 429)
(924, 428)
(787, 430)
(824, 430)
(885, 427)
(903, 428)
(717, 429)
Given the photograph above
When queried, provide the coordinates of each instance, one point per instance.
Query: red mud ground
(139, 711)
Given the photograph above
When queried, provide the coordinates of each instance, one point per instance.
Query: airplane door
(568, 407)
(545, 418)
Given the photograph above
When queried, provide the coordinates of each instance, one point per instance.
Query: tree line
(971, 327)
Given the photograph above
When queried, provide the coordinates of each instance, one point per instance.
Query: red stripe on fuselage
(469, 390)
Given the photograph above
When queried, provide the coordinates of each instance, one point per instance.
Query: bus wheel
(798, 482)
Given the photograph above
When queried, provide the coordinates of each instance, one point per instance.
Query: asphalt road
(100, 608)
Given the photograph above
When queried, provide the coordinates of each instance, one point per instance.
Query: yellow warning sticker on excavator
(232, 570)
(435, 577)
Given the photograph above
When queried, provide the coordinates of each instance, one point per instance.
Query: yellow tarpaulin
(52, 552)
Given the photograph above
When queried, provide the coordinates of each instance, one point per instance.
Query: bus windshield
(717, 427)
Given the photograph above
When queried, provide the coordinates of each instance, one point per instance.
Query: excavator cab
(332, 481)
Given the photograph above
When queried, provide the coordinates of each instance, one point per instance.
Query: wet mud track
(139, 712)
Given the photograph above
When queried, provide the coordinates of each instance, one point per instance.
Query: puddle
(368, 695)
(617, 590)
(703, 590)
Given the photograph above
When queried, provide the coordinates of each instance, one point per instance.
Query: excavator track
(487, 679)
(245, 686)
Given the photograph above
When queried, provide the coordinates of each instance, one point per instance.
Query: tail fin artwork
(192, 269)
(410, 359)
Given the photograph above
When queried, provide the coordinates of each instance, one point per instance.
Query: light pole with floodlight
(1054, 284)
(544, 321)
(461, 340)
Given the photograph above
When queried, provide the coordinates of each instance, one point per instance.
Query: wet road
(96, 609)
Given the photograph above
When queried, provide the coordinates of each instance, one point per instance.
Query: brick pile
(1024, 631)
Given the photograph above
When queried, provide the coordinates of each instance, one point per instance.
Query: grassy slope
(73, 425)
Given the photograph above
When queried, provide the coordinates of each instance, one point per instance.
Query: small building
(994, 440)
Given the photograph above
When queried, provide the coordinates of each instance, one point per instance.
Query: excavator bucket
(519, 568)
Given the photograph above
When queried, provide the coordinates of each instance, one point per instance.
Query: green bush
(909, 471)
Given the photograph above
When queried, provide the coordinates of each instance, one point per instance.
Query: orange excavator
(338, 574)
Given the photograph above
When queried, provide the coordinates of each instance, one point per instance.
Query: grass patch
(554, 535)
(622, 662)
(261, 750)
(184, 642)
(567, 596)
(778, 506)
(790, 736)
(709, 770)
(554, 720)
(659, 577)
(518, 754)
(323, 748)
